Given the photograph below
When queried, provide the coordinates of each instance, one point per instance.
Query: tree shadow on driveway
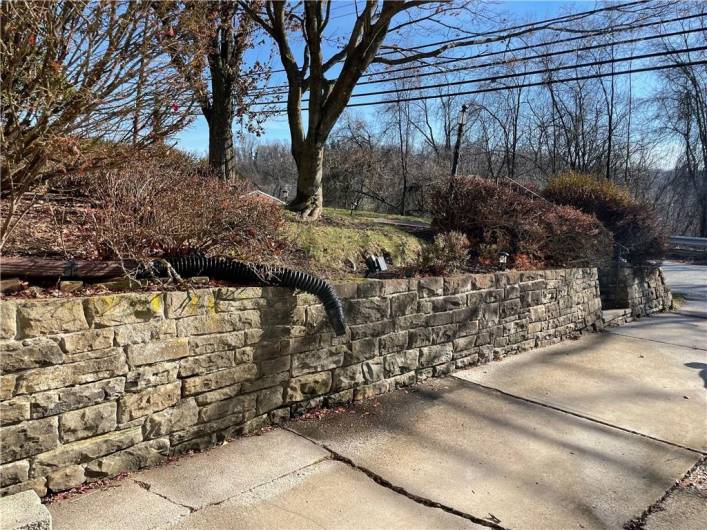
(702, 367)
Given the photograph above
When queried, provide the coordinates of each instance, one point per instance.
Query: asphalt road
(690, 281)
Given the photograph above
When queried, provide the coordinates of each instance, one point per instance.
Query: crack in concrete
(148, 487)
(639, 522)
(580, 415)
(381, 481)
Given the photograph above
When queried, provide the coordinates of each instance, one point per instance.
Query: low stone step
(616, 317)
(24, 511)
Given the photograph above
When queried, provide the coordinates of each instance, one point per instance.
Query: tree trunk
(222, 154)
(221, 149)
(310, 163)
(403, 156)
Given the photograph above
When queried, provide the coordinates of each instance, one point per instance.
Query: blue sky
(195, 138)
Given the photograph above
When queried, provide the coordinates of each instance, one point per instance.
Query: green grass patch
(337, 241)
(374, 215)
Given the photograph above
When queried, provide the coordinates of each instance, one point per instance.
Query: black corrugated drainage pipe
(227, 269)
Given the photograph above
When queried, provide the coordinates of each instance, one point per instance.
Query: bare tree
(267, 165)
(359, 166)
(436, 119)
(679, 117)
(402, 126)
(329, 96)
(78, 79)
(683, 109)
(207, 42)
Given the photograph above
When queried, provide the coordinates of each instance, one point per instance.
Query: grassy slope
(373, 215)
(328, 244)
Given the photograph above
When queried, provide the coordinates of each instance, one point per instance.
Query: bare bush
(449, 253)
(78, 80)
(167, 203)
(496, 218)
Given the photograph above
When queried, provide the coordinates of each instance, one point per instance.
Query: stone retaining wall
(92, 387)
(640, 290)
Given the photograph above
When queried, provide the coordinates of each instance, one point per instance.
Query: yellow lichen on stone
(114, 310)
(182, 304)
(156, 303)
(211, 303)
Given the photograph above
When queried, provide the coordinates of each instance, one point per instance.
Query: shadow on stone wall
(640, 289)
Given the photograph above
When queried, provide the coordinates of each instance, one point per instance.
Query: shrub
(496, 218)
(633, 223)
(573, 237)
(448, 253)
(167, 202)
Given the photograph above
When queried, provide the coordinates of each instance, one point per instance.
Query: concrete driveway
(690, 281)
(275, 480)
(592, 433)
(583, 434)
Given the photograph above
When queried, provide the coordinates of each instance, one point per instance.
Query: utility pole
(457, 145)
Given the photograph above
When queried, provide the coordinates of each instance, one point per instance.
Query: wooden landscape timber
(47, 269)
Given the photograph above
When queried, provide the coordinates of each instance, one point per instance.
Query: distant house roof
(266, 196)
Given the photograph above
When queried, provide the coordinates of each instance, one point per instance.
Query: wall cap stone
(24, 511)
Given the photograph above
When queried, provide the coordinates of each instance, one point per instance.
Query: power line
(535, 72)
(538, 56)
(521, 59)
(539, 83)
(343, 15)
(595, 33)
(523, 85)
(564, 18)
(614, 60)
(529, 25)
(342, 5)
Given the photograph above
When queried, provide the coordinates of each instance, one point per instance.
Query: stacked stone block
(640, 290)
(647, 291)
(92, 387)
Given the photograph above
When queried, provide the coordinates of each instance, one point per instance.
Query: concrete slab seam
(381, 481)
(279, 477)
(638, 523)
(581, 416)
(147, 486)
(657, 341)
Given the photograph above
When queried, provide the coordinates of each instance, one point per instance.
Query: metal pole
(457, 145)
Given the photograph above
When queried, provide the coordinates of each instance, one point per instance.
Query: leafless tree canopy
(82, 84)
(644, 131)
(373, 34)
